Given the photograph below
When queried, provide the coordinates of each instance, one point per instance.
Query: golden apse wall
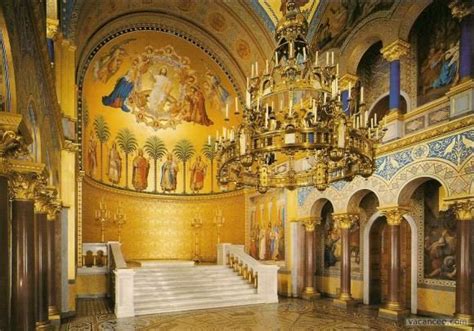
(159, 227)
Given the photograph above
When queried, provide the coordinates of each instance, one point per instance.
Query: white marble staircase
(180, 287)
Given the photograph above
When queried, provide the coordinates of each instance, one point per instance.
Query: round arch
(406, 192)
(318, 206)
(356, 198)
(413, 259)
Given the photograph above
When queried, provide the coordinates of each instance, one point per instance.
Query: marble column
(464, 211)
(54, 207)
(310, 292)
(41, 256)
(394, 308)
(392, 53)
(345, 221)
(463, 11)
(4, 254)
(22, 186)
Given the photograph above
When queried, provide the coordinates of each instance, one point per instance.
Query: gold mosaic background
(160, 227)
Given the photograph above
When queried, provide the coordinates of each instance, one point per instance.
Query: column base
(53, 310)
(310, 294)
(468, 319)
(344, 301)
(393, 311)
(43, 325)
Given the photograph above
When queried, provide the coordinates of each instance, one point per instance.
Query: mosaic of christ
(160, 87)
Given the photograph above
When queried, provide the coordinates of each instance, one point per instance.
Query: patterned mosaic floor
(289, 314)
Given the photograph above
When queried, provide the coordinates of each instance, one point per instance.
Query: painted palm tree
(102, 132)
(210, 153)
(184, 150)
(155, 148)
(128, 144)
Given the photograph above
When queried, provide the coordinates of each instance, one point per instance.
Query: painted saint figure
(196, 107)
(141, 166)
(119, 96)
(115, 165)
(92, 155)
(169, 171)
(198, 172)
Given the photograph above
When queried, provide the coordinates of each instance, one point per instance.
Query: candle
(236, 105)
(314, 109)
(325, 95)
(266, 67)
(276, 58)
(375, 119)
(350, 88)
(256, 68)
(253, 71)
(316, 59)
(327, 58)
(304, 54)
(332, 58)
(337, 70)
(372, 123)
(291, 50)
(248, 99)
(258, 104)
(248, 82)
(227, 111)
(209, 140)
(362, 94)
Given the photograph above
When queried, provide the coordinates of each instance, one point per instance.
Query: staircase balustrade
(263, 277)
(122, 282)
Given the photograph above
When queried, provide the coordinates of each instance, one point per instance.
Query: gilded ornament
(464, 210)
(12, 145)
(23, 185)
(461, 8)
(394, 215)
(51, 28)
(345, 220)
(395, 50)
(310, 223)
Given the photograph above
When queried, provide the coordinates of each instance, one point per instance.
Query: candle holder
(102, 216)
(219, 222)
(196, 223)
(120, 220)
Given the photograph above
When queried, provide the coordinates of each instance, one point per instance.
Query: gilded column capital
(345, 220)
(14, 136)
(395, 50)
(394, 214)
(24, 179)
(346, 79)
(51, 27)
(461, 8)
(54, 204)
(310, 223)
(464, 209)
(71, 146)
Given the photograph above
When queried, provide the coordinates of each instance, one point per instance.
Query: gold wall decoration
(159, 227)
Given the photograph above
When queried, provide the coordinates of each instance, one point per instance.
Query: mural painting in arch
(437, 36)
(151, 101)
(267, 227)
(341, 16)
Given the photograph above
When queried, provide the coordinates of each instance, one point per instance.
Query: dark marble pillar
(309, 292)
(53, 215)
(345, 223)
(394, 308)
(4, 256)
(464, 255)
(41, 276)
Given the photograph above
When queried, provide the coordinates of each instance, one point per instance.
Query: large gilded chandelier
(294, 130)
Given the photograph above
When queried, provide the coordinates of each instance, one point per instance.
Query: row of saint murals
(127, 163)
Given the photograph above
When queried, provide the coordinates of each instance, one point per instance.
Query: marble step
(186, 284)
(185, 274)
(191, 288)
(151, 271)
(204, 303)
(165, 279)
(191, 296)
(182, 281)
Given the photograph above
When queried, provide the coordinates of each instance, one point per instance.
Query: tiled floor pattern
(289, 314)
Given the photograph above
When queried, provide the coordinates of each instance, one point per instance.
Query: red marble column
(23, 265)
(464, 255)
(309, 292)
(41, 276)
(4, 255)
(345, 223)
(394, 308)
(53, 209)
